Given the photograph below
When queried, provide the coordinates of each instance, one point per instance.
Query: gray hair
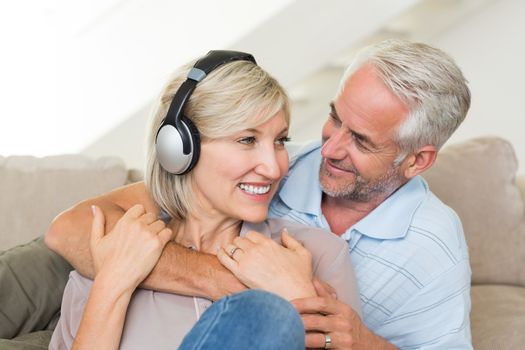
(234, 97)
(428, 81)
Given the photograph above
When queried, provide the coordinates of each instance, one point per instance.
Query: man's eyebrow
(361, 137)
(333, 112)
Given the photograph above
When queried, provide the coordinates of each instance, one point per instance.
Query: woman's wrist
(111, 287)
(305, 290)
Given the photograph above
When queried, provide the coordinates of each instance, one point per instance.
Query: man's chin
(332, 189)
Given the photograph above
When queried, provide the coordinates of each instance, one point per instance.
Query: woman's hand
(128, 253)
(261, 263)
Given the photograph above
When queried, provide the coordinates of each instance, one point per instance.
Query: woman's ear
(420, 161)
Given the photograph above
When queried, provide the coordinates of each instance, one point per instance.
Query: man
(397, 105)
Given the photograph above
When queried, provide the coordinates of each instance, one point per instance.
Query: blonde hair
(234, 97)
(428, 81)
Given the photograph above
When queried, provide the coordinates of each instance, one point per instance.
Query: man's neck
(341, 217)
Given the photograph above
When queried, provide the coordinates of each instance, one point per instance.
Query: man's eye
(358, 142)
(283, 140)
(247, 140)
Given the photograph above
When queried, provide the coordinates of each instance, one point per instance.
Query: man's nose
(334, 146)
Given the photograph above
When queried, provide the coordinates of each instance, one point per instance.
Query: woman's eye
(283, 140)
(247, 140)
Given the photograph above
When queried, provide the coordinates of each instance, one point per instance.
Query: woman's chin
(255, 216)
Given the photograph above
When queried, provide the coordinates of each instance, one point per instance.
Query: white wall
(490, 48)
(293, 43)
(488, 44)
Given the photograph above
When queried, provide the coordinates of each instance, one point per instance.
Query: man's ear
(420, 161)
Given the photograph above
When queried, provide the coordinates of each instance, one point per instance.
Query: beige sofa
(476, 178)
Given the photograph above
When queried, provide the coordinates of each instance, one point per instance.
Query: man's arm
(179, 270)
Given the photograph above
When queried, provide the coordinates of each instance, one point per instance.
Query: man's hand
(260, 262)
(325, 315)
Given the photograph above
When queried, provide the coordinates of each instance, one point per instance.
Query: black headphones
(178, 141)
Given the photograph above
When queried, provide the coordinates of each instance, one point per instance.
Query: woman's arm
(179, 270)
(104, 315)
(135, 249)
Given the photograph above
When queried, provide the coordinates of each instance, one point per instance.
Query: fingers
(256, 237)
(243, 242)
(137, 214)
(233, 251)
(316, 340)
(317, 323)
(148, 218)
(227, 261)
(324, 289)
(134, 212)
(157, 226)
(165, 236)
(323, 305)
(98, 224)
(290, 242)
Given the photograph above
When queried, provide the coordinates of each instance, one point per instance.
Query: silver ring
(232, 251)
(327, 341)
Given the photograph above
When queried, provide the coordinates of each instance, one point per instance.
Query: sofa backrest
(34, 190)
(477, 179)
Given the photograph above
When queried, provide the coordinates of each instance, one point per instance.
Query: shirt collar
(300, 189)
(392, 218)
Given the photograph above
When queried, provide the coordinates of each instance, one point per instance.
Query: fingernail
(93, 210)
(285, 230)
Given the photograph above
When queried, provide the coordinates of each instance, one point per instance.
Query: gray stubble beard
(362, 190)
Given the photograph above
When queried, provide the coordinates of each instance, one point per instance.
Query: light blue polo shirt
(409, 254)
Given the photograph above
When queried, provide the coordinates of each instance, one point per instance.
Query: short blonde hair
(234, 97)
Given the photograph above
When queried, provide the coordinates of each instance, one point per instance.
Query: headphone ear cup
(196, 141)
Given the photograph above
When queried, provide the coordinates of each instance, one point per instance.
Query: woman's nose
(268, 164)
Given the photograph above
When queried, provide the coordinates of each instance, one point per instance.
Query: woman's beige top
(157, 320)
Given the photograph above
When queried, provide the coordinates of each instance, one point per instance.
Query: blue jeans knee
(253, 319)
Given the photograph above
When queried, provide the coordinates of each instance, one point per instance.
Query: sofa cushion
(498, 317)
(34, 190)
(477, 179)
(32, 280)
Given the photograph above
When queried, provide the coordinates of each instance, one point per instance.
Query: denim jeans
(253, 319)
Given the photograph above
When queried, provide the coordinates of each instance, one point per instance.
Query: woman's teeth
(255, 189)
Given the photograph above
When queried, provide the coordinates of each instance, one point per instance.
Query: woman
(215, 203)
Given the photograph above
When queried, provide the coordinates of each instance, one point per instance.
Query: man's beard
(361, 189)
